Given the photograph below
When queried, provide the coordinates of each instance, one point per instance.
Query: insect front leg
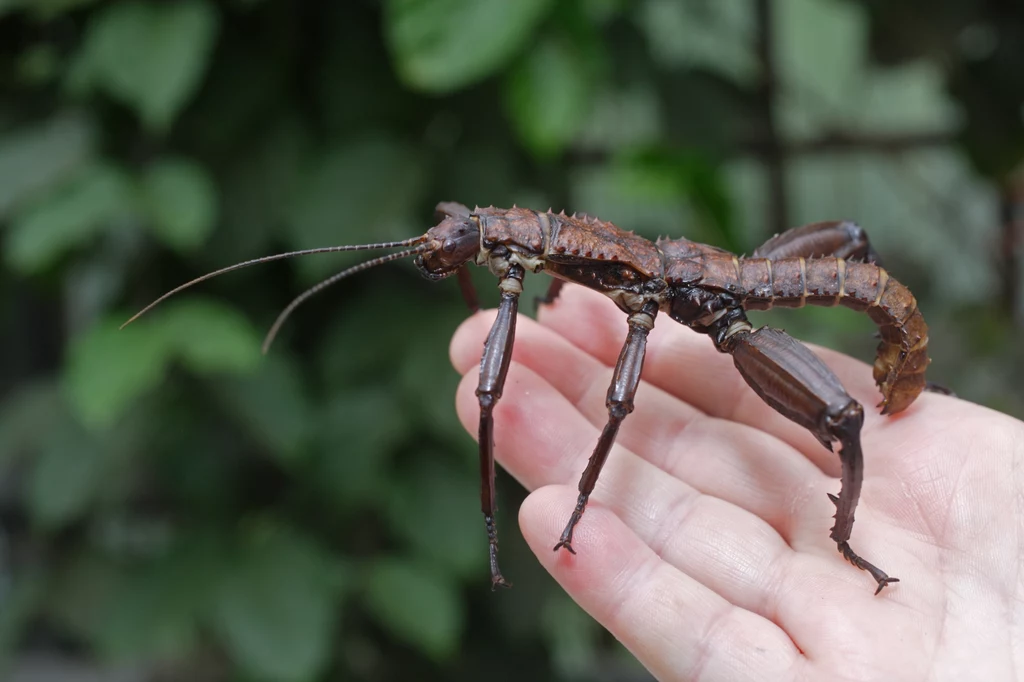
(796, 383)
(467, 289)
(625, 381)
(493, 370)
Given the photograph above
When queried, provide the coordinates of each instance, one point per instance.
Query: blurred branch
(839, 141)
(1011, 205)
(772, 151)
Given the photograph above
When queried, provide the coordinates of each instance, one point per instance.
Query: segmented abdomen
(902, 355)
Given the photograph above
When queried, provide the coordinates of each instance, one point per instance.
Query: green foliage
(35, 157)
(109, 368)
(182, 202)
(150, 56)
(550, 93)
(418, 605)
(173, 499)
(69, 217)
(65, 476)
(277, 610)
(443, 45)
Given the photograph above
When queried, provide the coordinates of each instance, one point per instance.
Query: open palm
(705, 548)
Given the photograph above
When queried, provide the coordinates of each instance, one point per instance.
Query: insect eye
(449, 245)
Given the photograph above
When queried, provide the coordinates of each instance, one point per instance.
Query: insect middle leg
(554, 289)
(619, 401)
(796, 383)
(493, 369)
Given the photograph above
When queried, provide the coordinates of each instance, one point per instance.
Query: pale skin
(705, 546)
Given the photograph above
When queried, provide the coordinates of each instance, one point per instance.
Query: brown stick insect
(702, 287)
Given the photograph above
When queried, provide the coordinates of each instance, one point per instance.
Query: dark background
(174, 506)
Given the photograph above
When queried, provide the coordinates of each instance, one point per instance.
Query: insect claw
(567, 544)
(835, 500)
(882, 582)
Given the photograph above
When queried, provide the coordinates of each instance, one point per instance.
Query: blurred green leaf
(571, 633)
(68, 217)
(65, 477)
(276, 611)
(417, 605)
(358, 192)
(435, 508)
(443, 45)
(32, 159)
(357, 431)
(549, 93)
(27, 414)
(273, 406)
(43, 9)
(39, 64)
(209, 337)
(80, 588)
(108, 368)
(153, 610)
(182, 202)
(151, 56)
(151, 615)
(18, 604)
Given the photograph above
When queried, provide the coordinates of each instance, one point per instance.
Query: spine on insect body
(902, 354)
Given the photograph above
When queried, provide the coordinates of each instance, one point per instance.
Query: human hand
(705, 547)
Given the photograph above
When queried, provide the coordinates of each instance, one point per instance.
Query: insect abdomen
(902, 356)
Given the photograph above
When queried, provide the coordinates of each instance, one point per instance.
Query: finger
(687, 366)
(731, 461)
(541, 439)
(677, 627)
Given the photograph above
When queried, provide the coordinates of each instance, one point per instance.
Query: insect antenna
(316, 288)
(279, 256)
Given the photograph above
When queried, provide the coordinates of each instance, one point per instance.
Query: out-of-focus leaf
(425, 373)
(572, 635)
(33, 159)
(255, 190)
(68, 217)
(276, 610)
(359, 192)
(705, 35)
(210, 337)
(358, 429)
(434, 507)
(151, 56)
(26, 416)
(20, 601)
(80, 589)
(416, 605)
(43, 9)
(154, 611)
(108, 368)
(549, 94)
(443, 45)
(65, 477)
(182, 202)
(646, 189)
(39, 65)
(273, 406)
